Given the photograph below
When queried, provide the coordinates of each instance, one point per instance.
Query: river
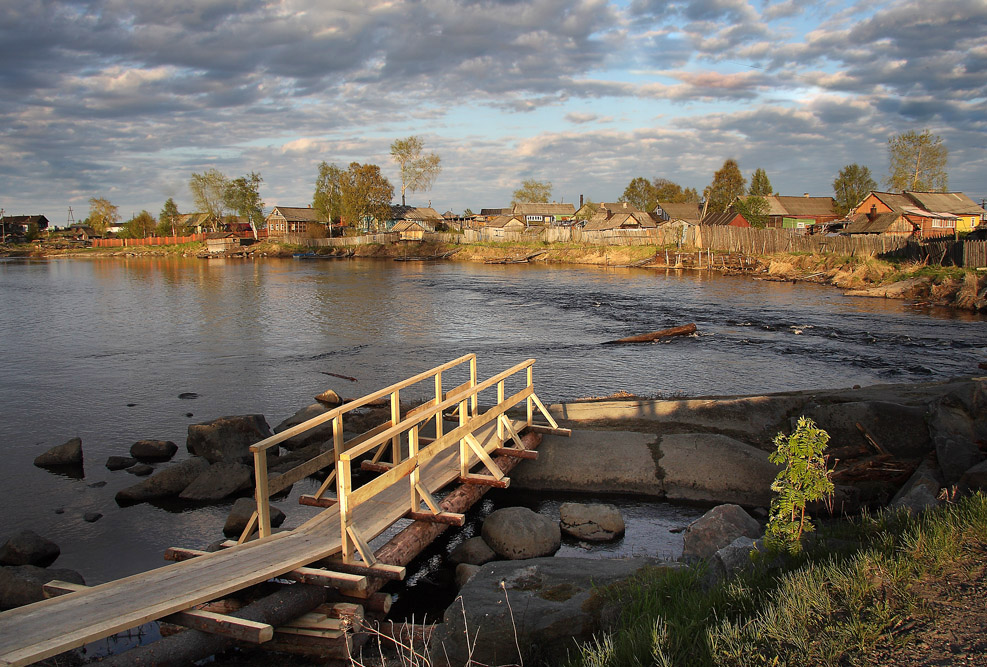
(102, 349)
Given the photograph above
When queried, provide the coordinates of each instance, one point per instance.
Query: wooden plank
(301, 471)
(484, 480)
(320, 633)
(313, 501)
(385, 481)
(54, 588)
(179, 554)
(316, 621)
(320, 577)
(382, 570)
(544, 411)
(528, 454)
(361, 545)
(220, 624)
(549, 430)
(485, 459)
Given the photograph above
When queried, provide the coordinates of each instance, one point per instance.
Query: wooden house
(687, 212)
(542, 214)
(968, 214)
(296, 220)
(728, 218)
(925, 224)
(427, 218)
(409, 230)
(619, 215)
(881, 224)
(19, 225)
(502, 224)
(799, 213)
(83, 233)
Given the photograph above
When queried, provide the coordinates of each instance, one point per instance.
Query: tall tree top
(917, 162)
(418, 170)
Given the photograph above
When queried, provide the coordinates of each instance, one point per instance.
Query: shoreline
(947, 287)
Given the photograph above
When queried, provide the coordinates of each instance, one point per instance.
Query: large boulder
(68, 454)
(23, 584)
(316, 436)
(593, 522)
(541, 607)
(735, 557)
(974, 479)
(165, 483)
(219, 481)
(954, 434)
(714, 468)
(29, 548)
(473, 551)
(120, 462)
(148, 451)
(517, 533)
(899, 429)
(227, 438)
(716, 529)
(242, 510)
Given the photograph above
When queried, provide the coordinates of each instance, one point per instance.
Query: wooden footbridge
(331, 548)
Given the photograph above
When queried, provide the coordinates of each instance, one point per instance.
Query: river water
(102, 349)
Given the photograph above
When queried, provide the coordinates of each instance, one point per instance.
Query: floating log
(684, 330)
(337, 375)
(184, 648)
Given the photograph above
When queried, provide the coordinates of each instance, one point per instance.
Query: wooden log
(377, 603)
(684, 330)
(518, 453)
(442, 517)
(485, 480)
(184, 648)
(341, 580)
(870, 440)
(312, 501)
(414, 539)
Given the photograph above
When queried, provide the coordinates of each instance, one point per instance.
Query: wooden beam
(370, 466)
(381, 570)
(240, 629)
(481, 453)
(448, 518)
(361, 546)
(342, 580)
(548, 429)
(516, 453)
(55, 587)
(313, 501)
(179, 554)
(485, 480)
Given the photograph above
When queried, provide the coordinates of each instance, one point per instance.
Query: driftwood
(684, 330)
(184, 648)
(337, 375)
(870, 439)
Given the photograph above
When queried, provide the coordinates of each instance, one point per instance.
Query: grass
(828, 607)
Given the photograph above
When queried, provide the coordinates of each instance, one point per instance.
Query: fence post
(260, 491)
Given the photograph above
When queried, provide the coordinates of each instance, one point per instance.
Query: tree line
(361, 195)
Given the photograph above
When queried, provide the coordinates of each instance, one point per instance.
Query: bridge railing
(470, 452)
(266, 487)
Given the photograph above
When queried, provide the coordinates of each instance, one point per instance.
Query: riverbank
(949, 287)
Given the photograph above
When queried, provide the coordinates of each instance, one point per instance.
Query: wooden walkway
(44, 629)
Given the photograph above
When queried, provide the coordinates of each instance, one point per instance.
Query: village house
(925, 224)
(502, 224)
(887, 224)
(82, 233)
(799, 213)
(687, 212)
(968, 214)
(542, 214)
(409, 230)
(296, 220)
(619, 215)
(19, 225)
(218, 242)
(728, 218)
(427, 218)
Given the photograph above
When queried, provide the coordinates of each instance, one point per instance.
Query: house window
(534, 218)
(939, 223)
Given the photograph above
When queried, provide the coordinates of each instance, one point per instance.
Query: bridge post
(260, 491)
(395, 420)
(438, 399)
(530, 402)
(500, 425)
(344, 484)
(414, 477)
(473, 380)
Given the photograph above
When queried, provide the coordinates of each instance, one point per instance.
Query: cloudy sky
(124, 99)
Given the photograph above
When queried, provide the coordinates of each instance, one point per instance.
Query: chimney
(580, 201)
(625, 204)
(805, 194)
(873, 212)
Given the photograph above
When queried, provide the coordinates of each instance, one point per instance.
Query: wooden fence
(969, 254)
(152, 240)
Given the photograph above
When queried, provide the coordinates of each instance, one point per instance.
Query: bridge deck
(44, 629)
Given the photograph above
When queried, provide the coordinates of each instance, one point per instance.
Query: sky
(125, 99)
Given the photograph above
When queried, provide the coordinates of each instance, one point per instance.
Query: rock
(330, 398)
(147, 451)
(168, 482)
(956, 456)
(97, 485)
(554, 604)
(517, 533)
(903, 289)
(974, 479)
(219, 481)
(921, 491)
(92, 517)
(120, 462)
(473, 551)
(693, 467)
(464, 571)
(318, 435)
(736, 556)
(238, 517)
(29, 548)
(22, 584)
(69, 454)
(141, 470)
(593, 522)
(899, 429)
(716, 529)
(227, 438)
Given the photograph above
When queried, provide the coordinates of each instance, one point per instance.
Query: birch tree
(418, 170)
(917, 162)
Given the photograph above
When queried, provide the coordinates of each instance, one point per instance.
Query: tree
(366, 195)
(209, 193)
(328, 199)
(139, 227)
(168, 218)
(641, 194)
(532, 191)
(728, 184)
(754, 209)
(760, 185)
(851, 186)
(102, 214)
(668, 191)
(804, 479)
(242, 196)
(418, 171)
(917, 162)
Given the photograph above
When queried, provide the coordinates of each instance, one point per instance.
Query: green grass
(827, 607)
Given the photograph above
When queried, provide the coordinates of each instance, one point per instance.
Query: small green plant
(803, 479)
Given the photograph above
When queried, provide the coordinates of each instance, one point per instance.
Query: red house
(727, 218)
